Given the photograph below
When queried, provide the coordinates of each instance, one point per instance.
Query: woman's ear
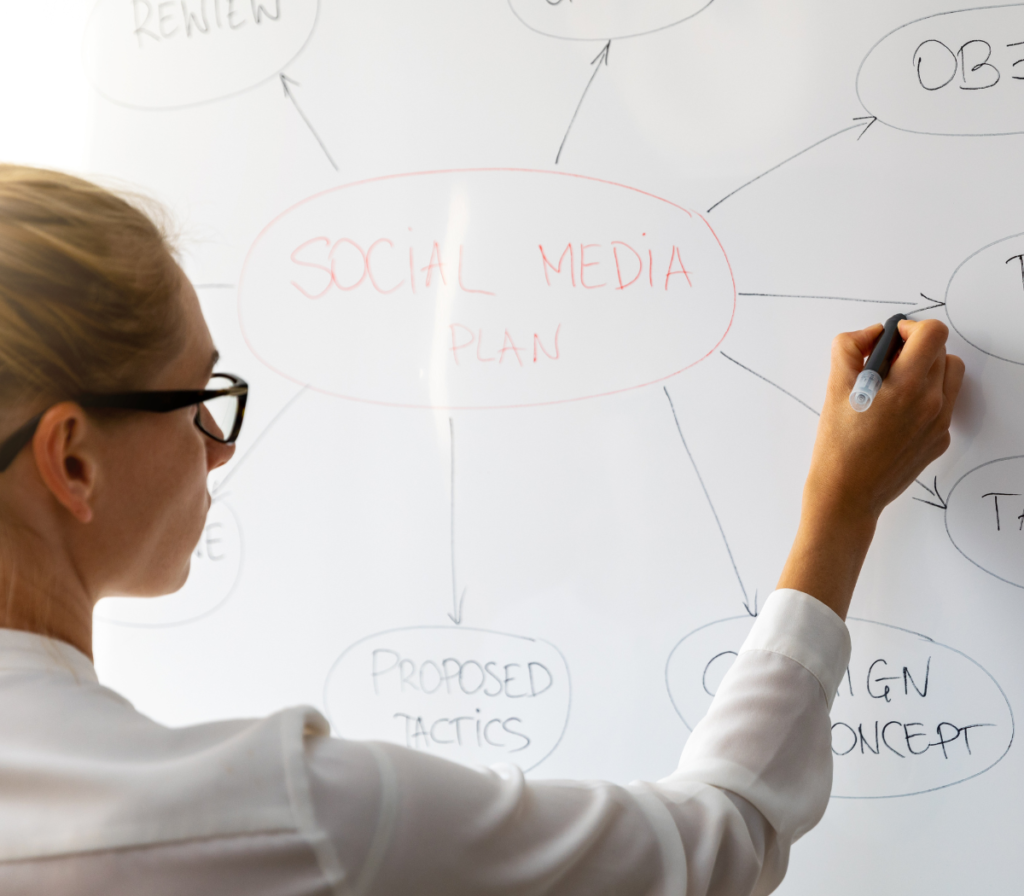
(65, 459)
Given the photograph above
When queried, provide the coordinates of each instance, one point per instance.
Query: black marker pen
(869, 381)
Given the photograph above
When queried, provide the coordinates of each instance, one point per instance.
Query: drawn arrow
(935, 304)
(786, 295)
(596, 63)
(752, 611)
(457, 599)
(285, 81)
(770, 383)
(939, 501)
(859, 123)
(870, 119)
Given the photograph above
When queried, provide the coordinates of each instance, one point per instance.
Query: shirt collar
(28, 652)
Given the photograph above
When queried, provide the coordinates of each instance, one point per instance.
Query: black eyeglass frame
(160, 402)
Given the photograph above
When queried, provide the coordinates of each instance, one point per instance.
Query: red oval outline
(496, 407)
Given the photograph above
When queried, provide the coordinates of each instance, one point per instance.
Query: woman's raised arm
(863, 461)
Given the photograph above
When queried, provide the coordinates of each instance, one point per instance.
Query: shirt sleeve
(754, 776)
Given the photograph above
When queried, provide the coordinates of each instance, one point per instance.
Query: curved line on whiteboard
(945, 515)
(486, 407)
(950, 12)
(1002, 693)
(679, 644)
(190, 619)
(907, 631)
(952, 323)
(461, 628)
(216, 99)
(608, 36)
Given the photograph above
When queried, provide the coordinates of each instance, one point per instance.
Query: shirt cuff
(802, 628)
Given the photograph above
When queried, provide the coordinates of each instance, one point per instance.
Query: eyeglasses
(220, 408)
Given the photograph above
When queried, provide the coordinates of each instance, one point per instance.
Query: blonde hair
(88, 288)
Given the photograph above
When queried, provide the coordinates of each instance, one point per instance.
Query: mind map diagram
(531, 288)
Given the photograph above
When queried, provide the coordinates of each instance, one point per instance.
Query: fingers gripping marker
(869, 381)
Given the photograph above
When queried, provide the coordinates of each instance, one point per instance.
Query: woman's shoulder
(94, 773)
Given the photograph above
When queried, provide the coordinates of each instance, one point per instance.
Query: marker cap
(865, 389)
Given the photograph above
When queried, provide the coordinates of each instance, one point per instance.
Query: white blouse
(95, 798)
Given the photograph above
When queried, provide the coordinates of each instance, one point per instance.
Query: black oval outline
(679, 644)
(704, 677)
(214, 608)
(949, 501)
(216, 99)
(619, 37)
(945, 299)
(891, 796)
(461, 628)
(950, 12)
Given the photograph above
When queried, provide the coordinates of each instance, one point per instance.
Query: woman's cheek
(189, 482)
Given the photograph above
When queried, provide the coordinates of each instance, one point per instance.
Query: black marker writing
(389, 669)
(846, 738)
(995, 496)
(161, 20)
(463, 731)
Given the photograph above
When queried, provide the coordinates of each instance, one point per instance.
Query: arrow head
(933, 304)
(456, 617)
(603, 55)
(870, 119)
(746, 606)
(285, 81)
(939, 502)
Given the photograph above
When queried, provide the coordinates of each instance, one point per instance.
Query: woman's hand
(863, 461)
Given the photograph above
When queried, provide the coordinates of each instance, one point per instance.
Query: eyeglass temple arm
(17, 440)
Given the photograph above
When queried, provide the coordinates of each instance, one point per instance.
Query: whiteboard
(535, 299)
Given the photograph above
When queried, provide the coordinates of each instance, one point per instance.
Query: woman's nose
(218, 454)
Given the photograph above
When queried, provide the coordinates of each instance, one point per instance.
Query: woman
(110, 423)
